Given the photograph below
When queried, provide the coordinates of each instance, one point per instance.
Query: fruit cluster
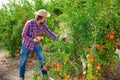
(39, 38)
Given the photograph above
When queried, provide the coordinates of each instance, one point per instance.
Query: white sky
(6, 1)
(3, 1)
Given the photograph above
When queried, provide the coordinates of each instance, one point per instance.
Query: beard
(42, 22)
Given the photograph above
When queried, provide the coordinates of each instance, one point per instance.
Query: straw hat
(42, 12)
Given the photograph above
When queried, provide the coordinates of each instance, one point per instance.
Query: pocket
(39, 48)
(38, 31)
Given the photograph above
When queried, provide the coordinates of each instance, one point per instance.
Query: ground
(9, 67)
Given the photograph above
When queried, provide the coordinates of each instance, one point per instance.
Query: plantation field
(89, 39)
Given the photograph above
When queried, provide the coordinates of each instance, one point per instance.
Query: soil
(9, 67)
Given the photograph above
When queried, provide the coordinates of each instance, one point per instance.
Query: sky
(3, 1)
(6, 1)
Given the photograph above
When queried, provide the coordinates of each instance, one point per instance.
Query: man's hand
(66, 39)
(39, 38)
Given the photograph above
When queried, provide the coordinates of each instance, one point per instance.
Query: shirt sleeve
(25, 33)
(49, 32)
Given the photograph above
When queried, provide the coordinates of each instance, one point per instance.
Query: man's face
(42, 20)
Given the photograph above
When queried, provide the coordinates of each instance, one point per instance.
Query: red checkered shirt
(32, 30)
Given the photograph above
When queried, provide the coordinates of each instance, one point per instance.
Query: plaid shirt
(32, 30)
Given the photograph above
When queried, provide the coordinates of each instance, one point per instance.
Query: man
(32, 30)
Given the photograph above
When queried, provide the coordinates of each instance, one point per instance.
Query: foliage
(92, 26)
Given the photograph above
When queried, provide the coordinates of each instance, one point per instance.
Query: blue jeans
(24, 57)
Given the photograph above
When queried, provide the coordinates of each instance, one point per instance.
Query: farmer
(32, 31)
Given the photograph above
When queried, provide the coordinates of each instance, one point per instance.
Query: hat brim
(48, 14)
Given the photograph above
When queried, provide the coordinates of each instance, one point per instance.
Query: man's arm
(49, 32)
(25, 33)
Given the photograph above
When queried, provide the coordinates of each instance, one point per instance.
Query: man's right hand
(39, 38)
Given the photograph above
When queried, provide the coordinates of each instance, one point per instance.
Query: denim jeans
(24, 57)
